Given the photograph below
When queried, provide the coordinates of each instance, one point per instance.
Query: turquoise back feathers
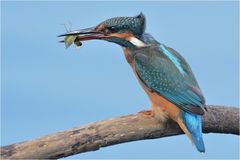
(168, 74)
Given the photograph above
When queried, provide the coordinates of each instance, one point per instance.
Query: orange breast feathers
(163, 109)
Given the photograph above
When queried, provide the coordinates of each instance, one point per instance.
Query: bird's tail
(192, 126)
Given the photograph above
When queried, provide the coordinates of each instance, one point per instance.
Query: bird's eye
(111, 29)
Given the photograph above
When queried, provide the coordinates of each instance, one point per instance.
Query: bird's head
(125, 31)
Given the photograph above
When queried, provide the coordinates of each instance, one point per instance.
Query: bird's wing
(170, 76)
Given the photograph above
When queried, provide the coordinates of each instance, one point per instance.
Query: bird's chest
(130, 60)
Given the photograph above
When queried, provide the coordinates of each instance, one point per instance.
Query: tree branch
(104, 133)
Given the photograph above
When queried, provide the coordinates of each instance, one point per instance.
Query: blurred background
(46, 88)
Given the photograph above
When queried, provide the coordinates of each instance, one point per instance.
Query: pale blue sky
(46, 88)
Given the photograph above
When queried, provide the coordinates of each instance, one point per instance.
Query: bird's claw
(147, 113)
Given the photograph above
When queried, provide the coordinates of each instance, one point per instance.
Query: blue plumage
(161, 70)
(194, 125)
(165, 72)
(173, 58)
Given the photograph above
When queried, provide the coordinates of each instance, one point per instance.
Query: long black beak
(78, 32)
(85, 34)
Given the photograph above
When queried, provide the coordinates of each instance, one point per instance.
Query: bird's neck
(145, 38)
(148, 39)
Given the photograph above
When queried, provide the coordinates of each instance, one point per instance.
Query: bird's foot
(147, 113)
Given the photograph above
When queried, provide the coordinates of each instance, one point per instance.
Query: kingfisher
(162, 72)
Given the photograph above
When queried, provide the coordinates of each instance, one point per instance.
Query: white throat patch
(136, 42)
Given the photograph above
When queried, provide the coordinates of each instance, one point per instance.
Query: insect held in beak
(69, 40)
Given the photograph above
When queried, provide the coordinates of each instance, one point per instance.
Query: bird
(162, 72)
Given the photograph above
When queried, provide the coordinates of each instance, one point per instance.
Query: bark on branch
(104, 133)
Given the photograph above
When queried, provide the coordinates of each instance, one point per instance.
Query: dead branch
(104, 133)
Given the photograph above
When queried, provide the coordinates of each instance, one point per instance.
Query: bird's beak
(85, 34)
